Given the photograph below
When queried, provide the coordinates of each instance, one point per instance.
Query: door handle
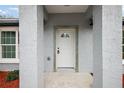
(58, 51)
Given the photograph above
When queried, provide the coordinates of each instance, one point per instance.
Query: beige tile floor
(68, 80)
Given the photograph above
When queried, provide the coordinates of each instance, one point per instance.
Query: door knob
(58, 51)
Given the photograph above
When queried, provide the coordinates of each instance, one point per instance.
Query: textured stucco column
(31, 46)
(107, 28)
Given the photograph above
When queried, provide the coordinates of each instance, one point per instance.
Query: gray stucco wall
(9, 66)
(123, 69)
(31, 46)
(112, 46)
(107, 46)
(84, 39)
(97, 46)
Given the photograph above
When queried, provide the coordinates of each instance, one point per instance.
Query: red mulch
(7, 84)
(123, 80)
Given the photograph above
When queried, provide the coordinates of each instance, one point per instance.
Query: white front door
(65, 48)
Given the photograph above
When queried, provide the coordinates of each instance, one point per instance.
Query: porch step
(68, 80)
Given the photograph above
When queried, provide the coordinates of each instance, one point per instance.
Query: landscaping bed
(123, 81)
(7, 80)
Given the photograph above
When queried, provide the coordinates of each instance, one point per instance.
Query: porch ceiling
(66, 8)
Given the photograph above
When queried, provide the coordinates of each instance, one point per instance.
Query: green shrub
(16, 72)
(13, 75)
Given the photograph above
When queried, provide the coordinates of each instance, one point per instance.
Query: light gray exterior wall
(112, 46)
(9, 66)
(31, 46)
(107, 46)
(97, 46)
(123, 69)
(84, 39)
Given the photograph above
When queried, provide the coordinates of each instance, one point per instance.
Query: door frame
(76, 49)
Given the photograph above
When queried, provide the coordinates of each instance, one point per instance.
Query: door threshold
(66, 69)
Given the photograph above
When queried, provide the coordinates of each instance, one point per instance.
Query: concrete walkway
(68, 80)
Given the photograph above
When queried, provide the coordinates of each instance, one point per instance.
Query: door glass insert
(65, 35)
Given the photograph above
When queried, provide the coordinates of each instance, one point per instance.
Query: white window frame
(10, 60)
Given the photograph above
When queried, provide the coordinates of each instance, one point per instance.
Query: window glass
(123, 45)
(8, 38)
(8, 51)
(8, 44)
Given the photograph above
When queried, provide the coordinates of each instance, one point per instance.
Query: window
(123, 45)
(8, 44)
